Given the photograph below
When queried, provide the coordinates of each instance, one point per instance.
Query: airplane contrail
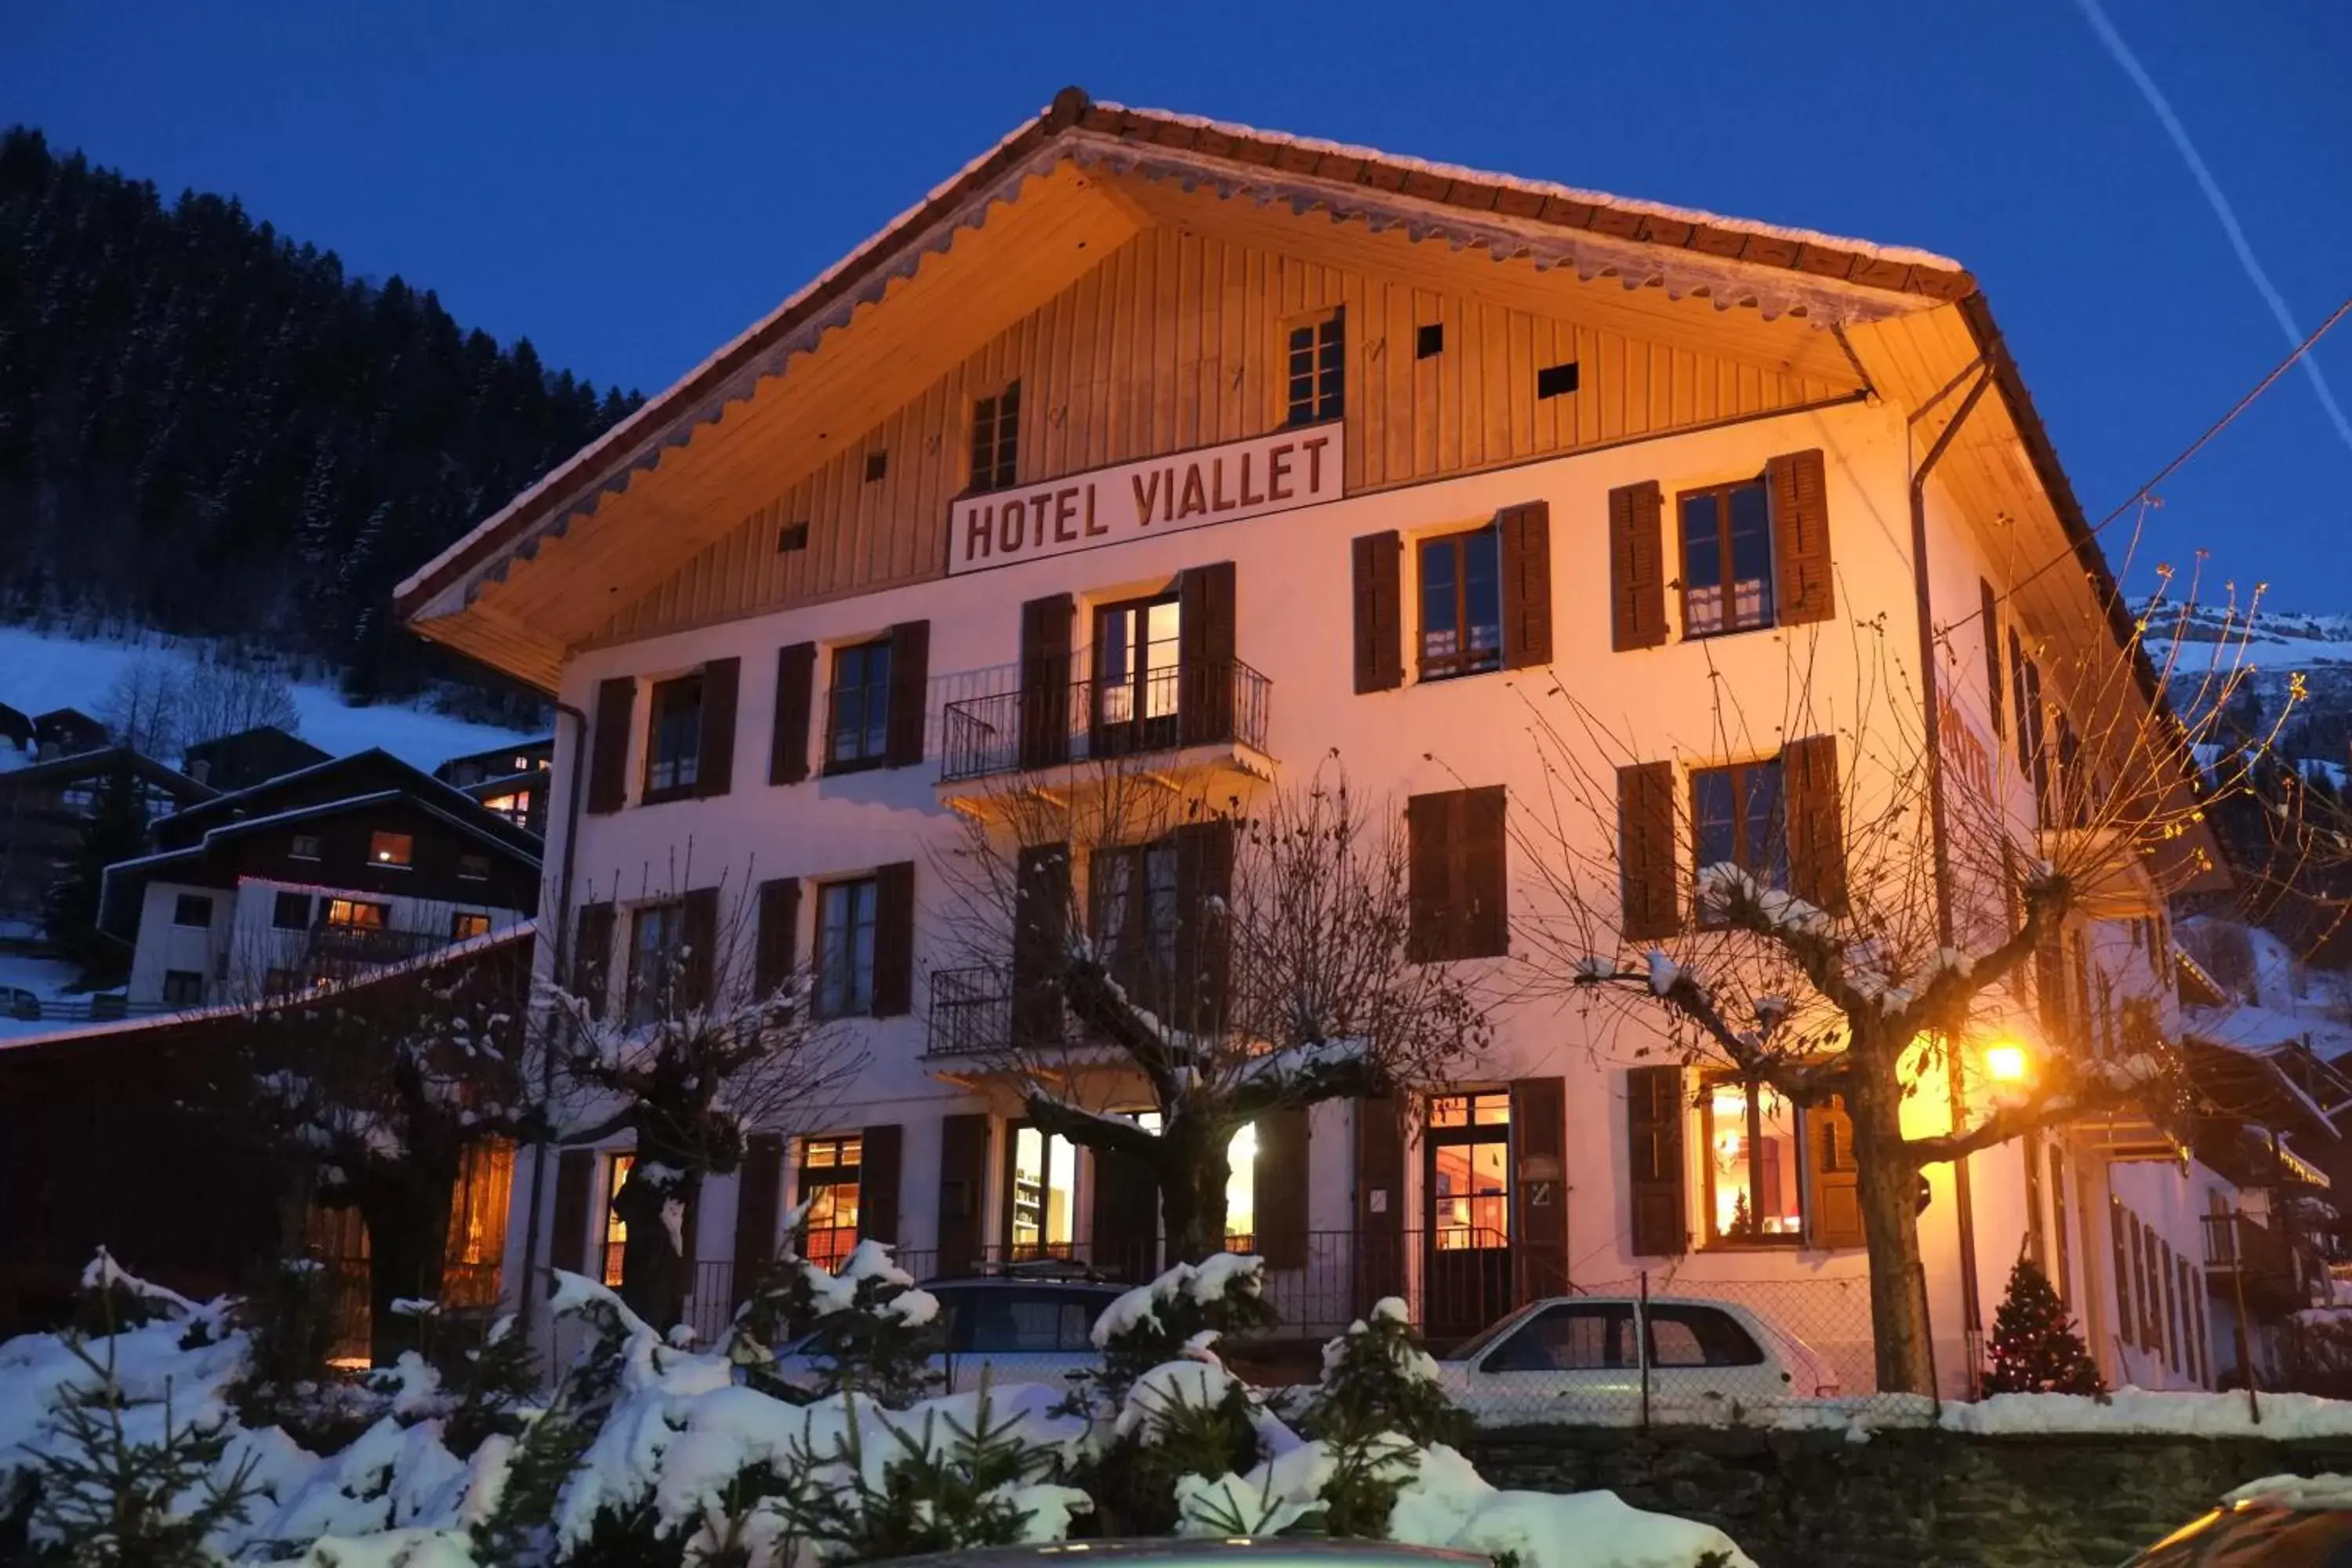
(2219, 203)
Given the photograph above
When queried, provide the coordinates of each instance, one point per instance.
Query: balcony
(1188, 719)
(340, 952)
(2244, 1257)
(971, 1011)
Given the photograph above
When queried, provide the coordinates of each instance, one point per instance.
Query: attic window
(305, 847)
(1556, 380)
(1316, 347)
(877, 465)
(996, 440)
(1428, 339)
(791, 537)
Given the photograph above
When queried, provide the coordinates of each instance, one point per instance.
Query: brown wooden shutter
(788, 750)
(723, 690)
(608, 745)
(1125, 1226)
(1835, 1217)
(910, 689)
(2117, 1238)
(1205, 652)
(1379, 1201)
(1204, 872)
(1040, 932)
(1653, 1119)
(1989, 612)
(1800, 537)
(776, 946)
(592, 957)
(575, 1183)
(1380, 611)
(1539, 1144)
(1429, 867)
(1816, 811)
(877, 1182)
(1480, 874)
(698, 975)
(1646, 851)
(893, 940)
(759, 1202)
(1279, 1186)
(1046, 625)
(1526, 531)
(963, 1187)
(1637, 566)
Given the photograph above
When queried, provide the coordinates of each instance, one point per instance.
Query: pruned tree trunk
(406, 1209)
(654, 1272)
(1887, 1185)
(1193, 1172)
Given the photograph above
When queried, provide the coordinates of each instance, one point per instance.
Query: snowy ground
(45, 978)
(40, 671)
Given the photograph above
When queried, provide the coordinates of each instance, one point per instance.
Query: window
(1737, 819)
(845, 947)
(474, 868)
(792, 537)
(1043, 1195)
(1316, 349)
(1428, 339)
(1593, 1338)
(674, 744)
(1752, 1165)
(305, 847)
(1011, 1319)
(616, 1230)
(390, 849)
(191, 910)
(1461, 604)
(469, 923)
(1132, 894)
(358, 914)
(1699, 1336)
(1556, 380)
(1469, 1146)
(655, 934)
(829, 1187)
(291, 911)
(858, 735)
(1726, 559)
(183, 988)
(1137, 689)
(877, 465)
(996, 440)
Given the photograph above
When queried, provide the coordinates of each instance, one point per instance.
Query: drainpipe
(1972, 1296)
(527, 1309)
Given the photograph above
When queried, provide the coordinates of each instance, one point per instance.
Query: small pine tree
(2035, 1348)
(865, 1328)
(1378, 1405)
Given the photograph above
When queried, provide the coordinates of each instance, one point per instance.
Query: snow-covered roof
(2264, 1030)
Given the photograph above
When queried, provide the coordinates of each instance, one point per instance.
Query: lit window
(390, 848)
(357, 914)
(474, 868)
(844, 946)
(654, 940)
(616, 1230)
(1492, 1109)
(1726, 559)
(191, 910)
(996, 440)
(1461, 604)
(1318, 368)
(1138, 689)
(1469, 1148)
(1751, 1151)
(1044, 1195)
(1737, 819)
(859, 733)
(467, 923)
(673, 747)
(829, 1187)
(305, 847)
(511, 806)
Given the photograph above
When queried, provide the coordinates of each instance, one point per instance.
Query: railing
(334, 948)
(1200, 703)
(971, 1011)
(2242, 1253)
(27, 1008)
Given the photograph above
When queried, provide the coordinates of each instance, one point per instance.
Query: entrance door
(1136, 691)
(1466, 1183)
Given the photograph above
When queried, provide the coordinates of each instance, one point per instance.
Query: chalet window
(358, 914)
(1428, 339)
(1041, 1194)
(1134, 902)
(1727, 535)
(183, 988)
(1138, 645)
(474, 868)
(304, 847)
(1556, 380)
(469, 923)
(616, 1229)
(996, 440)
(291, 911)
(394, 849)
(829, 1169)
(1317, 350)
(1461, 604)
(1750, 1137)
(1456, 893)
(191, 910)
(1737, 819)
(846, 915)
(674, 744)
(857, 733)
(655, 934)
(1469, 1178)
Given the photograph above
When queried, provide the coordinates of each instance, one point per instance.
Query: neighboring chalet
(1216, 451)
(44, 808)
(18, 735)
(68, 732)
(248, 757)
(509, 780)
(317, 875)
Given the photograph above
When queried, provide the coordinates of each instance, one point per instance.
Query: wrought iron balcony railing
(1206, 703)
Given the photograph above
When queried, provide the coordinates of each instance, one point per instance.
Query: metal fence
(1192, 704)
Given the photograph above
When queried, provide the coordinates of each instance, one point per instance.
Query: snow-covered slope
(40, 671)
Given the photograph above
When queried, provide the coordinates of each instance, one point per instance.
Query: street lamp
(2006, 1062)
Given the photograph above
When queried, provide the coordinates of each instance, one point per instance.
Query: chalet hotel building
(1228, 451)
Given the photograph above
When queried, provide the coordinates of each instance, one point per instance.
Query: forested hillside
(210, 429)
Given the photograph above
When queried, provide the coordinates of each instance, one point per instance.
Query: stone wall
(1905, 1498)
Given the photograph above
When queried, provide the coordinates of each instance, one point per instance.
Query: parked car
(1588, 1355)
(1011, 1328)
(16, 1002)
(2287, 1521)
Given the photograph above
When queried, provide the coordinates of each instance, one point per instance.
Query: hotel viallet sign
(1294, 468)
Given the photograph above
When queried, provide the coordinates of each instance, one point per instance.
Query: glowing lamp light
(2006, 1063)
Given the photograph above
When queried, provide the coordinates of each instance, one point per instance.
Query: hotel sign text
(1135, 500)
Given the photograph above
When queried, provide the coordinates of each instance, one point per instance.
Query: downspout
(526, 1309)
(1971, 1295)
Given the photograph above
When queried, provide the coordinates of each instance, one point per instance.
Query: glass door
(1136, 682)
(1466, 1186)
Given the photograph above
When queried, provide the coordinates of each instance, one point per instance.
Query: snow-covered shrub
(484, 1377)
(287, 1382)
(1157, 1323)
(864, 1328)
(1378, 1405)
(1184, 1419)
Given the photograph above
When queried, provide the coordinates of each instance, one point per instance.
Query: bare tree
(692, 1043)
(222, 696)
(1212, 962)
(1863, 911)
(143, 706)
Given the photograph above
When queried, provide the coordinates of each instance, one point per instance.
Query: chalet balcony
(1178, 720)
(971, 1011)
(2244, 1257)
(340, 951)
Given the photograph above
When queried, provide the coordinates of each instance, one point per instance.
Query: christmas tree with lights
(2035, 1348)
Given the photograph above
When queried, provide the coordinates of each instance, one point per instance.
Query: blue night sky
(627, 185)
